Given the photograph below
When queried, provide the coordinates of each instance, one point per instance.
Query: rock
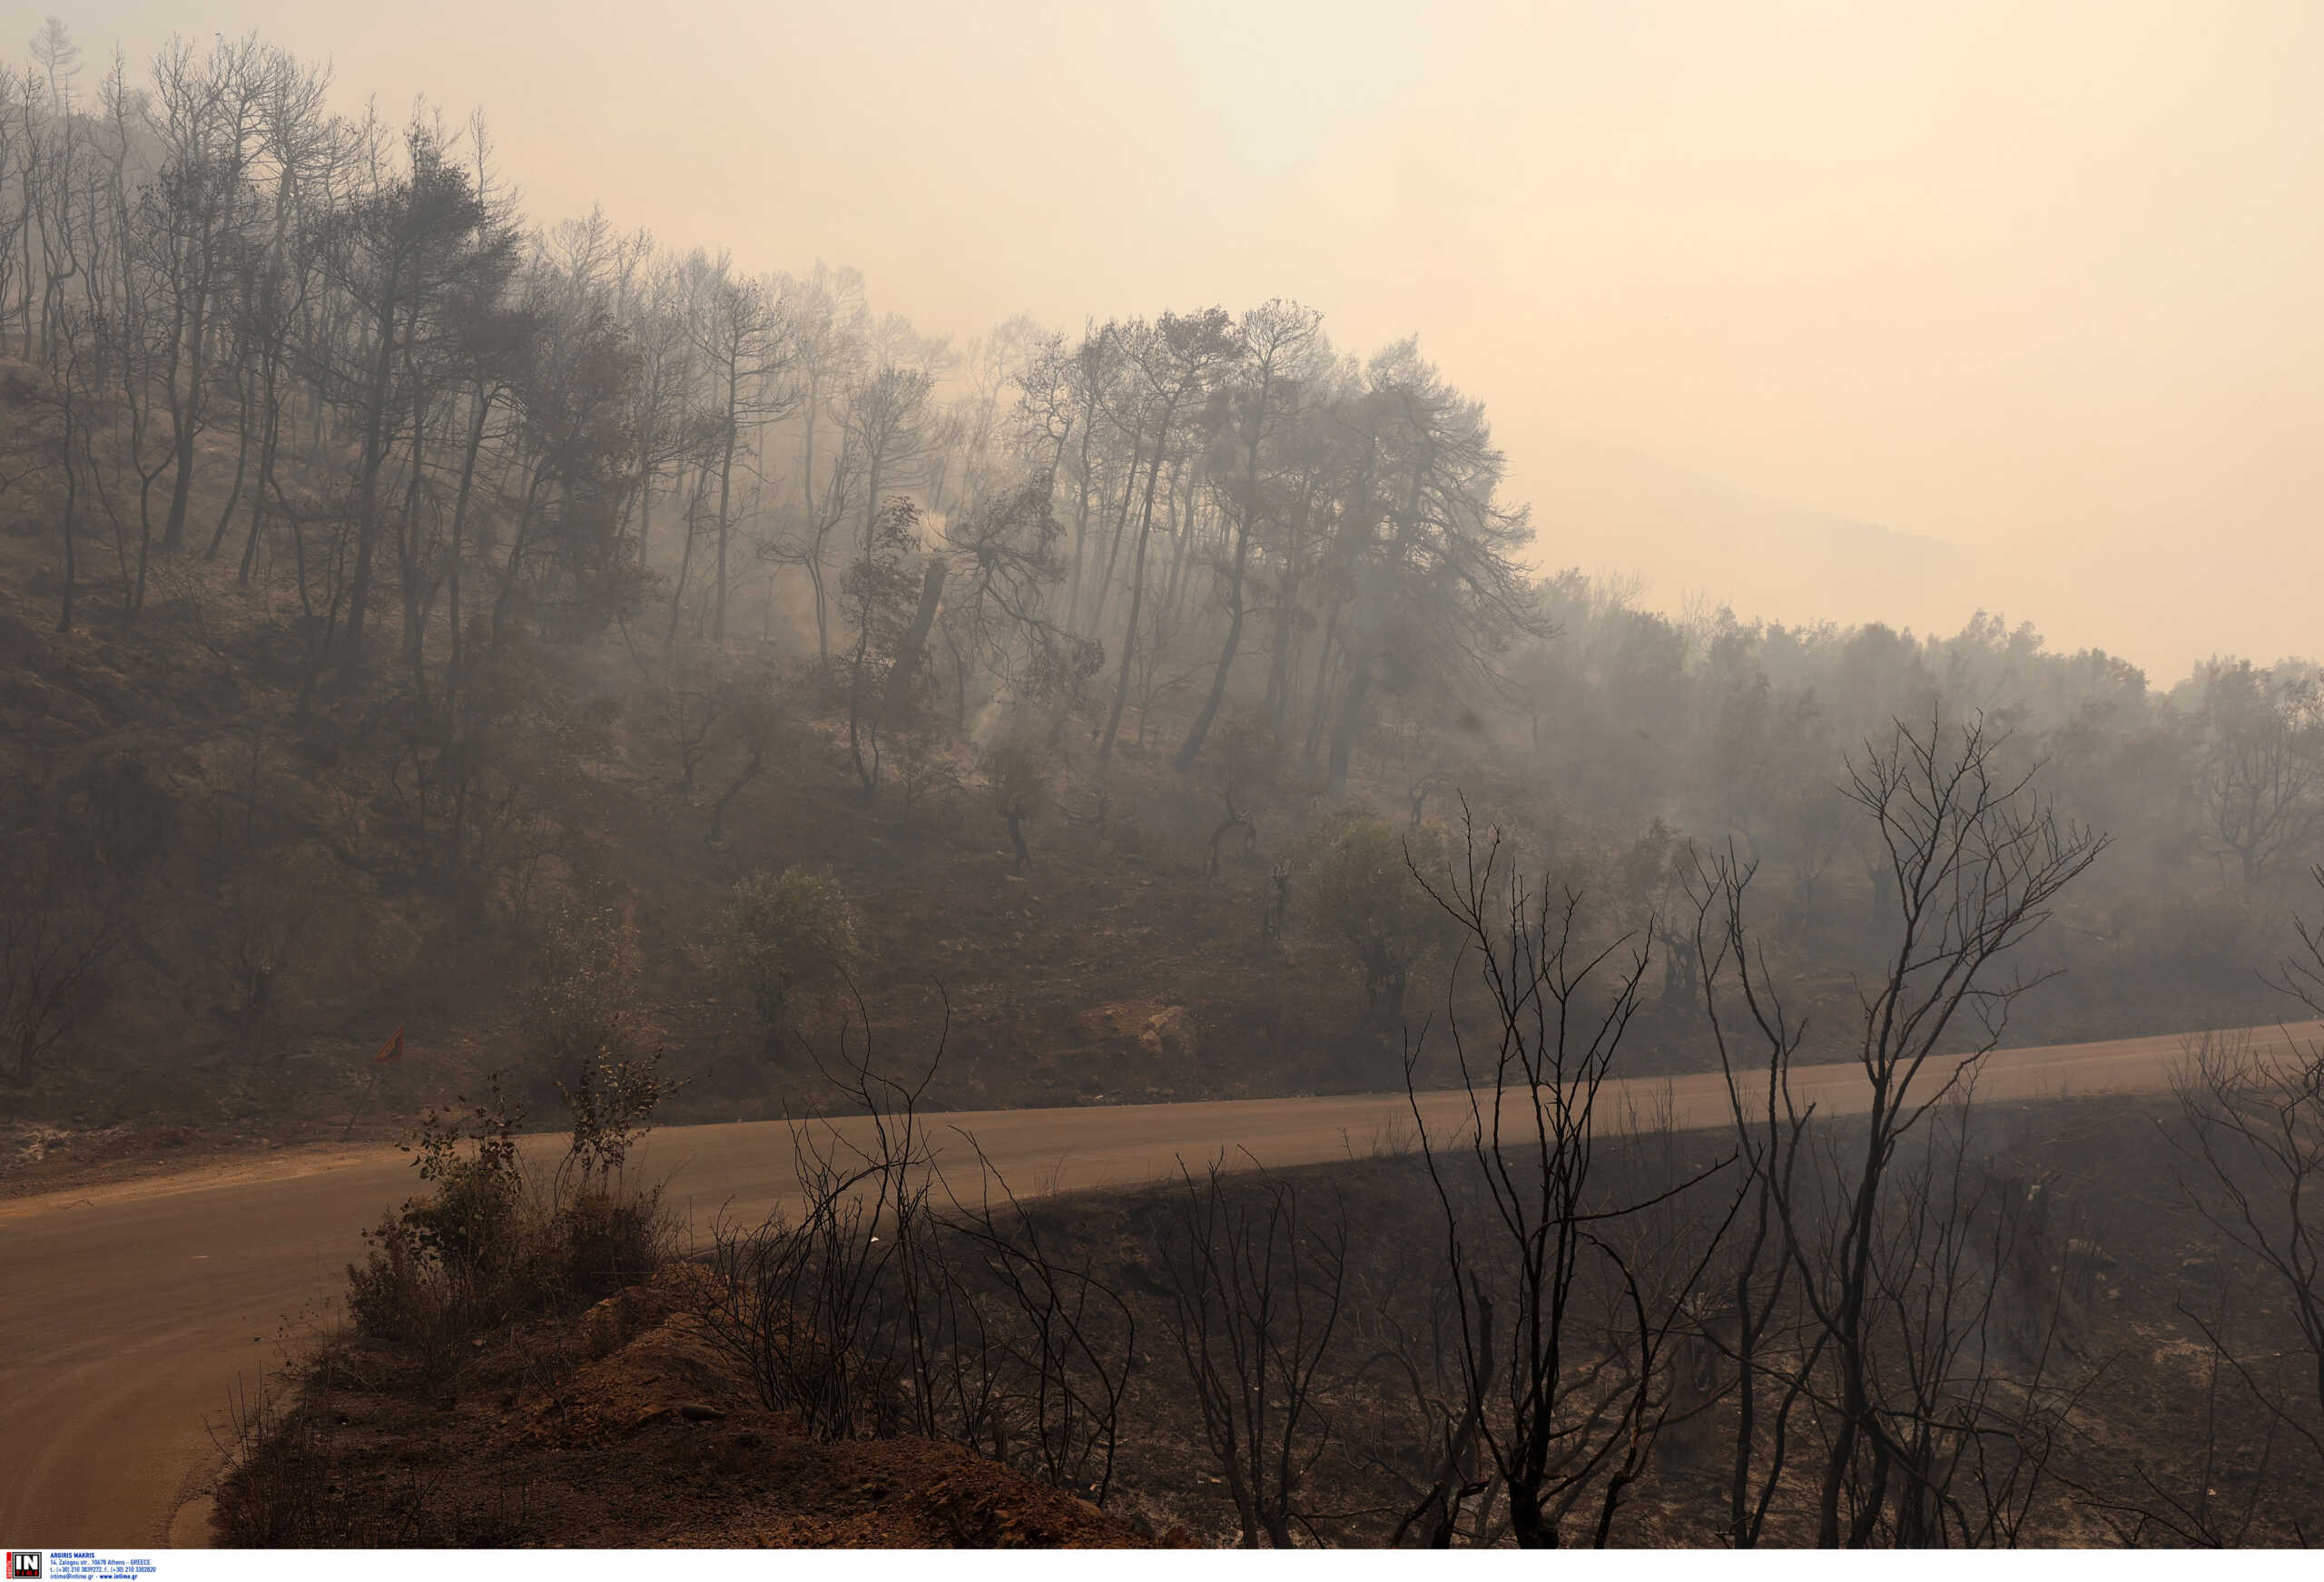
(698, 1411)
(1160, 1031)
(1170, 1032)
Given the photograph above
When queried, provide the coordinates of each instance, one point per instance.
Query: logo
(23, 1565)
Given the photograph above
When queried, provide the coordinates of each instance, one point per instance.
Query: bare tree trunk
(905, 670)
(185, 418)
(368, 519)
(1104, 588)
(1081, 521)
(71, 500)
(241, 459)
(1191, 749)
(481, 403)
(1347, 721)
(1136, 597)
(266, 483)
(726, 494)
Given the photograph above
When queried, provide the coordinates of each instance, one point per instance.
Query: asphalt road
(129, 1314)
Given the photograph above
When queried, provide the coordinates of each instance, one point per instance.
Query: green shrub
(485, 1246)
(1355, 886)
(785, 936)
(612, 1102)
(578, 1001)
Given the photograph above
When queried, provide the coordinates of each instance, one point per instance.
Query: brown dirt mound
(624, 1429)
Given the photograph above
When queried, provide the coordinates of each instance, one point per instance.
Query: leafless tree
(819, 1310)
(1055, 1349)
(1257, 1286)
(897, 1299)
(2251, 1152)
(1978, 856)
(741, 331)
(1578, 1366)
(886, 417)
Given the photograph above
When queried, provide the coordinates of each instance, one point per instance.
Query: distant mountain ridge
(1686, 534)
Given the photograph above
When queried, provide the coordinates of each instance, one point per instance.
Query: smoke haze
(1828, 311)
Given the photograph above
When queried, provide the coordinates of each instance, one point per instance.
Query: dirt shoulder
(44, 1167)
(620, 1429)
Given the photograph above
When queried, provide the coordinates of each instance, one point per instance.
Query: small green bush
(577, 1000)
(1355, 886)
(784, 936)
(485, 1246)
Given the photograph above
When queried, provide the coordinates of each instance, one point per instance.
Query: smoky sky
(1832, 311)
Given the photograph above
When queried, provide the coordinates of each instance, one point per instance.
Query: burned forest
(561, 702)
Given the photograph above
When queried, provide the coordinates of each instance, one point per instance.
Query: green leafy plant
(1356, 886)
(612, 1103)
(579, 1002)
(783, 938)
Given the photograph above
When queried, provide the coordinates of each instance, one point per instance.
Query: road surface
(129, 1314)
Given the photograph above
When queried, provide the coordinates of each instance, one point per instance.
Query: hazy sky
(2040, 281)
